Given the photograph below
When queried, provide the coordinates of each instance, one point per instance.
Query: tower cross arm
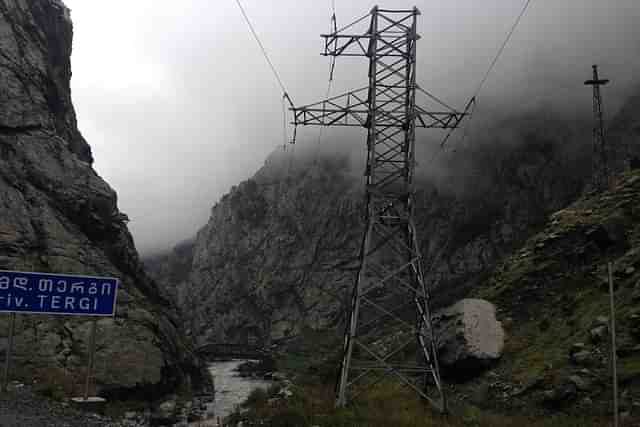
(395, 26)
(438, 119)
(596, 82)
(347, 109)
(340, 44)
(352, 109)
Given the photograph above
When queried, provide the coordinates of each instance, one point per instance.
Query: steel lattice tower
(389, 318)
(601, 173)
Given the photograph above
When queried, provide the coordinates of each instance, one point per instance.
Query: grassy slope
(387, 405)
(549, 294)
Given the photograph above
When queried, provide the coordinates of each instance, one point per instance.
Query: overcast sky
(179, 105)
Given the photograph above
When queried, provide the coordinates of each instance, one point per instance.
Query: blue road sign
(43, 293)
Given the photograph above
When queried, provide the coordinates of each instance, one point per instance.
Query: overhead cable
(262, 48)
(332, 68)
(472, 102)
(502, 47)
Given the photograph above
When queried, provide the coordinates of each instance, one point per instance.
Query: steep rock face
(475, 207)
(276, 255)
(280, 251)
(58, 215)
(172, 268)
(494, 193)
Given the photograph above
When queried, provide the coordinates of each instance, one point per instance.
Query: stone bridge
(236, 351)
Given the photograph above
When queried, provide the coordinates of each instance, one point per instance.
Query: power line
(473, 101)
(285, 94)
(435, 98)
(284, 124)
(332, 67)
(321, 129)
(467, 125)
(469, 109)
(262, 48)
(502, 47)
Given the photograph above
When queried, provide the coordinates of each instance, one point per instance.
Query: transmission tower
(389, 319)
(601, 173)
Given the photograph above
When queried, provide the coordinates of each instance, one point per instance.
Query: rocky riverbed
(22, 406)
(232, 388)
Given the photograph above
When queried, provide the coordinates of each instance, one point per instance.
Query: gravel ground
(20, 407)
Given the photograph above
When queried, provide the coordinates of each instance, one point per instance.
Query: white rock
(469, 336)
(130, 415)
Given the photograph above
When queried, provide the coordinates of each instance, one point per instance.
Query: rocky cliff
(276, 254)
(58, 215)
(279, 252)
(172, 268)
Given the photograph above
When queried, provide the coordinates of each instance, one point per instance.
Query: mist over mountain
(276, 262)
(184, 91)
(474, 204)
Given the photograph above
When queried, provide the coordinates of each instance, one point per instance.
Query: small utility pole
(614, 369)
(601, 173)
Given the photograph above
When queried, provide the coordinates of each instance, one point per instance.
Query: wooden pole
(92, 350)
(7, 358)
(613, 347)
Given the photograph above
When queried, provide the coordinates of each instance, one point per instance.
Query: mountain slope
(279, 252)
(275, 254)
(553, 295)
(58, 215)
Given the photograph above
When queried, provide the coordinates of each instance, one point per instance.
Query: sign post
(7, 357)
(56, 294)
(92, 352)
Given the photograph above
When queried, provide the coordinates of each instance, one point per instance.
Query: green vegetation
(55, 383)
(552, 291)
(549, 294)
(386, 405)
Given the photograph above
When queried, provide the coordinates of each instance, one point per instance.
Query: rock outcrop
(553, 294)
(470, 339)
(58, 215)
(279, 252)
(172, 269)
(276, 255)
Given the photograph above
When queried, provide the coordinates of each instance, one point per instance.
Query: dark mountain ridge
(279, 251)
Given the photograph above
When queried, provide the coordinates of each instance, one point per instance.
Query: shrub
(55, 383)
(256, 399)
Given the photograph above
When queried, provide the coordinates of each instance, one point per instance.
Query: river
(230, 388)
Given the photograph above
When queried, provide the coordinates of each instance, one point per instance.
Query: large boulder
(469, 337)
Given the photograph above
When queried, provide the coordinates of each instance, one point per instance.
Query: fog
(178, 103)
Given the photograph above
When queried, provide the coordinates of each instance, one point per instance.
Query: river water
(230, 388)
